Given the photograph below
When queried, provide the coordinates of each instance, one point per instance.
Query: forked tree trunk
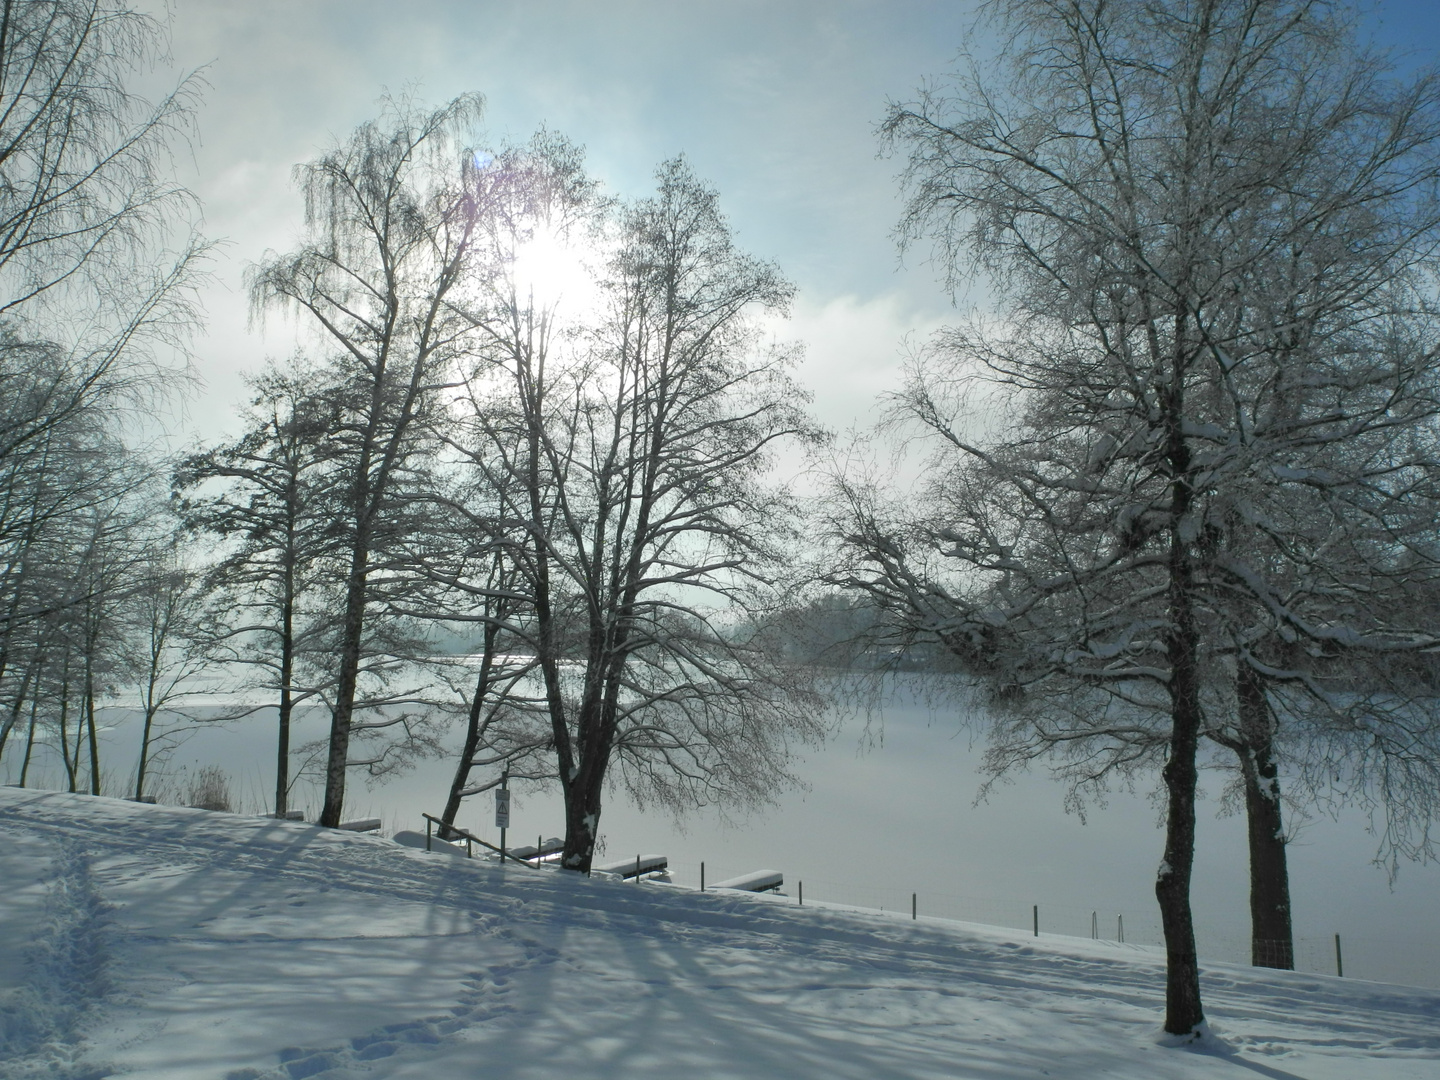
(584, 790)
(1271, 941)
(582, 818)
(472, 730)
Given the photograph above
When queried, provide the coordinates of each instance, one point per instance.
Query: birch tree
(390, 215)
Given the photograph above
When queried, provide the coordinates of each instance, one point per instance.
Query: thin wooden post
(1339, 960)
(702, 877)
(1094, 925)
(802, 894)
(914, 906)
(1037, 919)
(429, 827)
(1120, 925)
(637, 869)
(505, 787)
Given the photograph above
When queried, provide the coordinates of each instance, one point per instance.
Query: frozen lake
(889, 810)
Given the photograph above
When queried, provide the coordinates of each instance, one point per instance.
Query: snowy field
(891, 812)
(169, 943)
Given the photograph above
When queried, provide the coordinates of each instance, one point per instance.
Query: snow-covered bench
(539, 853)
(759, 881)
(636, 867)
(369, 824)
(410, 838)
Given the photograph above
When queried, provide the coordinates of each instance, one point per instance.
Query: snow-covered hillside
(167, 943)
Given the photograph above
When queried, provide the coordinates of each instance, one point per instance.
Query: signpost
(502, 809)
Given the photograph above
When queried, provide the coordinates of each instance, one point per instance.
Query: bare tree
(97, 257)
(273, 516)
(389, 249)
(1213, 251)
(632, 454)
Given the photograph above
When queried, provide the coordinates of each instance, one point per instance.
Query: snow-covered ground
(159, 942)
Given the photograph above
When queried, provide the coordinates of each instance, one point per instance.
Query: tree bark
(70, 765)
(144, 754)
(1271, 941)
(340, 716)
(582, 814)
(29, 741)
(287, 667)
(1183, 1011)
(18, 705)
(472, 730)
(90, 726)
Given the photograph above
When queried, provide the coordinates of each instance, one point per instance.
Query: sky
(775, 103)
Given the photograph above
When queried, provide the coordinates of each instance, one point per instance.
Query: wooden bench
(540, 852)
(759, 881)
(637, 867)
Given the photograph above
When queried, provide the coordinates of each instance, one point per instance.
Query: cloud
(855, 351)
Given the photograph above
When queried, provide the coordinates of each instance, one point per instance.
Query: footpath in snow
(173, 944)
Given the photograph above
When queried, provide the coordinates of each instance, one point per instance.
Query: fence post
(1036, 913)
(1120, 922)
(802, 893)
(1094, 925)
(637, 869)
(429, 825)
(914, 905)
(1339, 960)
(702, 877)
(504, 786)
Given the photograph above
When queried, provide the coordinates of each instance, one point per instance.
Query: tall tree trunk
(1271, 941)
(144, 753)
(29, 741)
(583, 796)
(70, 765)
(472, 729)
(582, 816)
(287, 664)
(90, 726)
(18, 705)
(341, 714)
(1183, 1011)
